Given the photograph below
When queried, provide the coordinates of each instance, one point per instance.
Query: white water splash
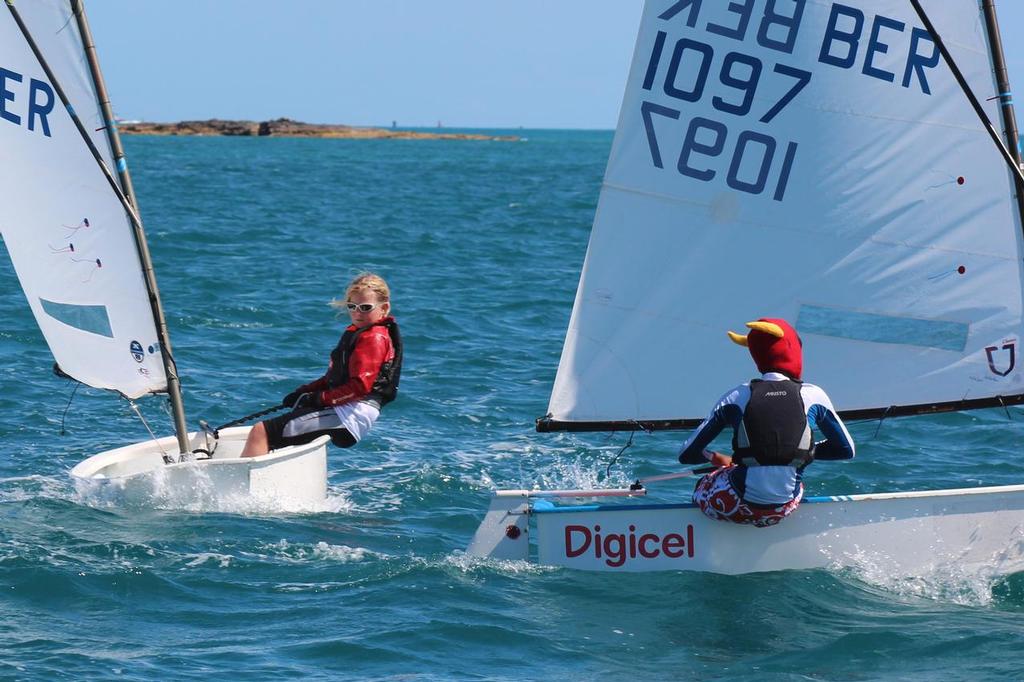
(466, 563)
(24, 488)
(197, 493)
(569, 475)
(321, 551)
(945, 579)
(220, 560)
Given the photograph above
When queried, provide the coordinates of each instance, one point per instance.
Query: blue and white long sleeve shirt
(773, 484)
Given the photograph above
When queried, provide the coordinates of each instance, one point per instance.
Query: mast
(138, 234)
(995, 44)
(149, 276)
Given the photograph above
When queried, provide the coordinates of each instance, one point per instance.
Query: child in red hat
(772, 420)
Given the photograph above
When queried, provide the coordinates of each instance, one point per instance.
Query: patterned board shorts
(716, 497)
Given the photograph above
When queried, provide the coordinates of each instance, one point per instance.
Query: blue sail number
(40, 101)
(751, 155)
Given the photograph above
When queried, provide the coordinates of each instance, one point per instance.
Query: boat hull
(292, 477)
(905, 534)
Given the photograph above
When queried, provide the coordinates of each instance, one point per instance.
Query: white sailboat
(819, 162)
(73, 232)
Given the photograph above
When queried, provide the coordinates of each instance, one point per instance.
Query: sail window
(88, 318)
(861, 326)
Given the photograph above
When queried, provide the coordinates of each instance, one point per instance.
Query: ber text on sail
(735, 63)
(25, 104)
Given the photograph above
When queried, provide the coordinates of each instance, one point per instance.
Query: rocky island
(284, 127)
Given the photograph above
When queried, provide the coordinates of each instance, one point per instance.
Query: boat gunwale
(548, 507)
(101, 460)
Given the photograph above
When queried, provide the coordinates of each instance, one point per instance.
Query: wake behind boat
(74, 234)
(827, 163)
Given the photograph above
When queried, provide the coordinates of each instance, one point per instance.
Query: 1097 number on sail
(750, 155)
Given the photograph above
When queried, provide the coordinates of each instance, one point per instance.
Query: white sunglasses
(363, 307)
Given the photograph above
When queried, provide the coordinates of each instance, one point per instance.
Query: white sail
(66, 232)
(814, 161)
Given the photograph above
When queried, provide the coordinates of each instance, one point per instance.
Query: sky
(465, 63)
(461, 63)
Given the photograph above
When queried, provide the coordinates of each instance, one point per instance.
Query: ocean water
(482, 243)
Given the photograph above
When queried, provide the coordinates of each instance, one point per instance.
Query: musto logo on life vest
(618, 548)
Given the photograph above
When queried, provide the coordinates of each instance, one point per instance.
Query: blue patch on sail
(88, 318)
(848, 324)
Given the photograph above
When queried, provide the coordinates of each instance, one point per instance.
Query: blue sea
(482, 243)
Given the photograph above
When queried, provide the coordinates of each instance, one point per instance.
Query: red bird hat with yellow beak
(774, 345)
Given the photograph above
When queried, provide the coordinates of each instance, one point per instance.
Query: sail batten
(821, 166)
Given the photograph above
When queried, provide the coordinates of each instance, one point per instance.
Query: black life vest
(385, 386)
(774, 431)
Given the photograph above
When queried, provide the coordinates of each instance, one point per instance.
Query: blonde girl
(361, 378)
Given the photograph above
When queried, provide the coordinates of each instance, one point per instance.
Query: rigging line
(641, 483)
(167, 458)
(882, 419)
(68, 406)
(250, 417)
(636, 425)
(982, 116)
(1008, 415)
(608, 469)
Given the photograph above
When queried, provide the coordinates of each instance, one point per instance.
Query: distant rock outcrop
(212, 127)
(284, 127)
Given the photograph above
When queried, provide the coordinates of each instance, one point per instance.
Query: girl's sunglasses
(362, 307)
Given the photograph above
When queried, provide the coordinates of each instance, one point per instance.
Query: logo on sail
(137, 352)
(1011, 352)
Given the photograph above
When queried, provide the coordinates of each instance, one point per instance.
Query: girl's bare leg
(256, 443)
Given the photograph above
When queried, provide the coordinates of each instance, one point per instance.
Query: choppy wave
(482, 245)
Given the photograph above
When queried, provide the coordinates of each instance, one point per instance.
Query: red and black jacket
(365, 366)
